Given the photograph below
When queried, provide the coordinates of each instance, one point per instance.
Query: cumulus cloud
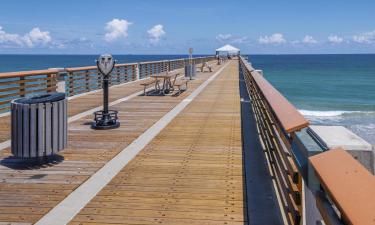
(35, 37)
(116, 28)
(309, 40)
(155, 33)
(365, 38)
(276, 38)
(223, 37)
(334, 39)
(230, 38)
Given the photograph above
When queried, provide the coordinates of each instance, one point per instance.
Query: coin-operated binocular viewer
(105, 119)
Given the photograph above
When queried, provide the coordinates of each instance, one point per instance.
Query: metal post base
(105, 121)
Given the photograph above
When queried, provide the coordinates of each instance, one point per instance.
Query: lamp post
(105, 119)
(191, 62)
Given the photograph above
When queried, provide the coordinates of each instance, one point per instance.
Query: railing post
(87, 80)
(71, 84)
(118, 73)
(137, 71)
(50, 82)
(22, 89)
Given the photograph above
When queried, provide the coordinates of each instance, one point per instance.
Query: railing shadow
(259, 196)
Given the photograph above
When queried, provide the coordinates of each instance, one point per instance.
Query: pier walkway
(169, 162)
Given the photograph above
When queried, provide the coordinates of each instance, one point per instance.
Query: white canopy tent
(228, 49)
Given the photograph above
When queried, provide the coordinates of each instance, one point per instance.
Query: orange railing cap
(74, 69)
(350, 186)
(28, 73)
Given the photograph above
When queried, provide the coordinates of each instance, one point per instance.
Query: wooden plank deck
(191, 173)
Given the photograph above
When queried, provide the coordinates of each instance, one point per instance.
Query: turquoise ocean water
(327, 89)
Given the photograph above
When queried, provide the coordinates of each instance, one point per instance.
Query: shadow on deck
(262, 206)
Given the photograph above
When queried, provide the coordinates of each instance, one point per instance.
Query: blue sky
(171, 27)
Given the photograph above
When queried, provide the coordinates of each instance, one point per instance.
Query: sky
(172, 26)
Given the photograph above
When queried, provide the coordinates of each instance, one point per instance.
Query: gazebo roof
(227, 48)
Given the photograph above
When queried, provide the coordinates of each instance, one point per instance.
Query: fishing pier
(226, 149)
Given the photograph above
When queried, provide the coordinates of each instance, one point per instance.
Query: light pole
(191, 62)
(105, 119)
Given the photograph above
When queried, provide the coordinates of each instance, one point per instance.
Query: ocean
(10, 63)
(327, 89)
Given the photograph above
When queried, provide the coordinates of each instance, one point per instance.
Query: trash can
(39, 125)
(190, 70)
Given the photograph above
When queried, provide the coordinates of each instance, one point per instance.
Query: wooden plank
(350, 185)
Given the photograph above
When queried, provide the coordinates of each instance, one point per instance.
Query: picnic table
(167, 83)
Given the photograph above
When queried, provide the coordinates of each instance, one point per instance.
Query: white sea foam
(332, 113)
(360, 122)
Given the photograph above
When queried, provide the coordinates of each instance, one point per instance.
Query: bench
(179, 84)
(205, 65)
(150, 82)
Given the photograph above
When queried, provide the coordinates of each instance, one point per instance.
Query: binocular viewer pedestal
(105, 119)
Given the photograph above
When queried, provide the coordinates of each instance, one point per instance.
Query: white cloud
(309, 40)
(334, 39)
(230, 38)
(365, 38)
(35, 37)
(276, 38)
(155, 33)
(223, 37)
(117, 28)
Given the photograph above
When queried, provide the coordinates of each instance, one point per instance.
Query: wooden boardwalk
(191, 172)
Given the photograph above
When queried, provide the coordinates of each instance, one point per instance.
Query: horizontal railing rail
(277, 120)
(80, 80)
(343, 188)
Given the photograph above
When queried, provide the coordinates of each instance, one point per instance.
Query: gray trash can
(190, 69)
(39, 125)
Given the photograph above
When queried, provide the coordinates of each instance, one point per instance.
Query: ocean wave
(334, 113)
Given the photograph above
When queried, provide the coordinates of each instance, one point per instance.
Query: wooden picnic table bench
(167, 83)
(205, 65)
(180, 83)
(149, 82)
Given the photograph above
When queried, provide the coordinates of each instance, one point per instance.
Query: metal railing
(80, 80)
(277, 120)
(85, 79)
(343, 189)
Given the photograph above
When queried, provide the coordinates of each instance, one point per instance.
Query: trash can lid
(42, 98)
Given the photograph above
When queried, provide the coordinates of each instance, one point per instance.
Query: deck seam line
(69, 207)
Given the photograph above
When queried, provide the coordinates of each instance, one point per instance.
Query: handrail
(276, 135)
(348, 184)
(289, 117)
(343, 189)
(73, 69)
(28, 73)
